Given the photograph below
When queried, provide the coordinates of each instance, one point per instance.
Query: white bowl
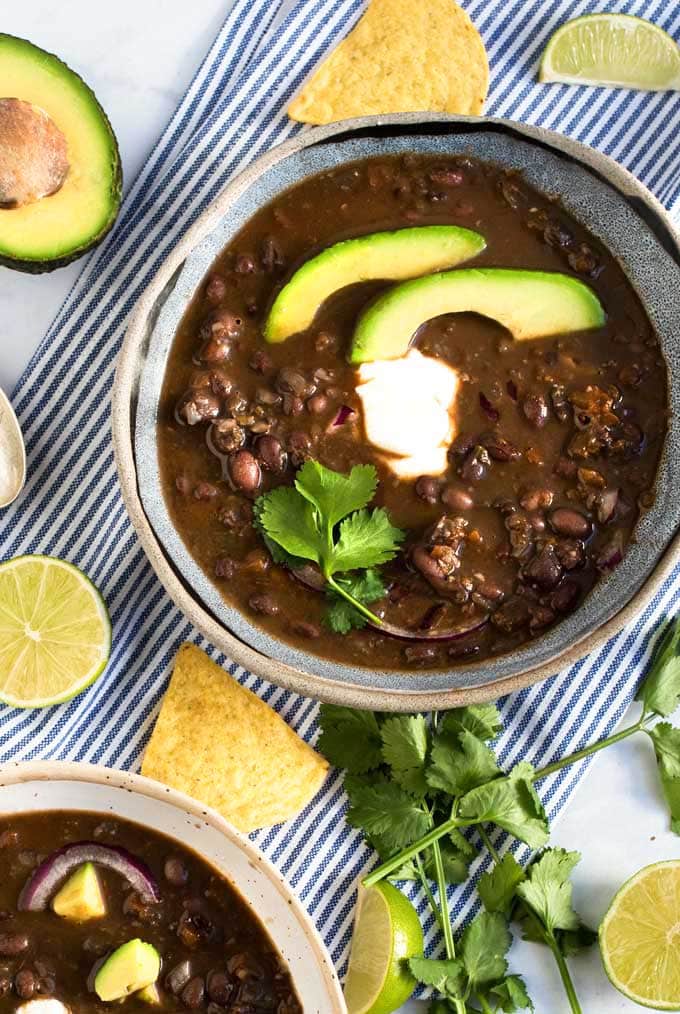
(54, 785)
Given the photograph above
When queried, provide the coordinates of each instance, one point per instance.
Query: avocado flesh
(80, 898)
(130, 968)
(530, 304)
(393, 256)
(60, 227)
(149, 995)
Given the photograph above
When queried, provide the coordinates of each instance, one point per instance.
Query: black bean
(533, 499)
(215, 290)
(244, 471)
(304, 629)
(193, 993)
(427, 489)
(260, 362)
(13, 944)
(291, 381)
(47, 985)
(544, 570)
(178, 976)
(25, 983)
(225, 436)
(564, 597)
(512, 615)
(498, 448)
(474, 467)
(225, 567)
(457, 498)
(535, 409)
(197, 406)
(215, 350)
(271, 454)
(9, 838)
(271, 254)
(570, 522)
(299, 447)
(5, 984)
(205, 491)
(318, 404)
(222, 324)
(264, 604)
(245, 265)
(175, 871)
(219, 986)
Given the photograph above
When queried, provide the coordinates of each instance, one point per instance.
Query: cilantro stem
(564, 973)
(339, 590)
(425, 884)
(484, 1005)
(488, 844)
(449, 943)
(588, 751)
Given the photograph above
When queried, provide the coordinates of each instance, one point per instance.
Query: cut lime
(640, 937)
(615, 50)
(387, 932)
(55, 633)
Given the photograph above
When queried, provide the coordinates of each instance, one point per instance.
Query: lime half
(640, 937)
(387, 932)
(616, 50)
(55, 633)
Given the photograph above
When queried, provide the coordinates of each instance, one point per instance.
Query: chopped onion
(611, 553)
(37, 892)
(344, 414)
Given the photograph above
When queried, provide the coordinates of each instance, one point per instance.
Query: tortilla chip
(403, 56)
(221, 744)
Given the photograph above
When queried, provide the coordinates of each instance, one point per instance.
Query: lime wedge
(387, 932)
(55, 633)
(640, 937)
(615, 50)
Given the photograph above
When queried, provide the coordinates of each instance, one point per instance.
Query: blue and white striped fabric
(233, 111)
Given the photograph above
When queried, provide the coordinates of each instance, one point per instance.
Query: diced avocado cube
(131, 968)
(81, 897)
(150, 994)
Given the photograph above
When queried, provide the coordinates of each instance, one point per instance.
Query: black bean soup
(558, 439)
(215, 956)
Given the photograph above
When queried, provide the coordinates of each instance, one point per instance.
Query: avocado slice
(150, 995)
(530, 304)
(60, 172)
(405, 253)
(81, 897)
(130, 968)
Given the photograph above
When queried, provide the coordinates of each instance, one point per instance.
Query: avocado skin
(39, 267)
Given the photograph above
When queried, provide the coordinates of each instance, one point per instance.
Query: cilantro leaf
(446, 976)
(405, 743)
(289, 521)
(333, 494)
(367, 539)
(484, 945)
(455, 861)
(498, 887)
(547, 890)
(439, 1006)
(482, 720)
(573, 941)
(366, 587)
(511, 995)
(460, 762)
(350, 739)
(666, 740)
(511, 803)
(389, 812)
(660, 691)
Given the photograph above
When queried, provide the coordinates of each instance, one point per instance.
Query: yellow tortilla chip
(403, 56)
(221, 744)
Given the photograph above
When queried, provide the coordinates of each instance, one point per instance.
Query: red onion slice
(310, 576)
(37, 892)
(344, 413)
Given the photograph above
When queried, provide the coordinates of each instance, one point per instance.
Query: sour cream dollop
(408, 408)
(42, 1007)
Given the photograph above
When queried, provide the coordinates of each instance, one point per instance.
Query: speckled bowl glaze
(62, 786)
(596, 191)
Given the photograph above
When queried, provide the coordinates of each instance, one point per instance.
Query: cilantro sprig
(324, 519)
(416, 784)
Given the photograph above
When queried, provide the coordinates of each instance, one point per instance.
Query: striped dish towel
(233, 111)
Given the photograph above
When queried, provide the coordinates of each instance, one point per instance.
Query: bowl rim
(19, 772)
(124, 394)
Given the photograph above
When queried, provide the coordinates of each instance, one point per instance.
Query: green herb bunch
(415, 785)
(323, 519)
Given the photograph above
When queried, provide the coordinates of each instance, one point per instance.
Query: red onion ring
(48, 877)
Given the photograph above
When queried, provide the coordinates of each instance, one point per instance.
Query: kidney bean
(244, 471)
(570, 522)
(534, 499)
(544, 570)
(13, 944)
(512, 615)
(175, 871)
(25, 983)
(271, 454)
(427, 489)
(457, 498)
(535, 410)
(264, 604)
(205, 491)
(215, 290)
(489, 590)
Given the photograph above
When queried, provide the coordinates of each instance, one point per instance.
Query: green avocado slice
(48, 113)
(530, 304)
(131, 968)
(392, 256)
(80, 898)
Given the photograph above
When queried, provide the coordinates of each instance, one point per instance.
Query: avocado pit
(33, 154)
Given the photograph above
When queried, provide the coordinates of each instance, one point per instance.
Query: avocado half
(60, 171)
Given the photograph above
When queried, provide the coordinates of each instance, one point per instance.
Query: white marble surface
(139, 55)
